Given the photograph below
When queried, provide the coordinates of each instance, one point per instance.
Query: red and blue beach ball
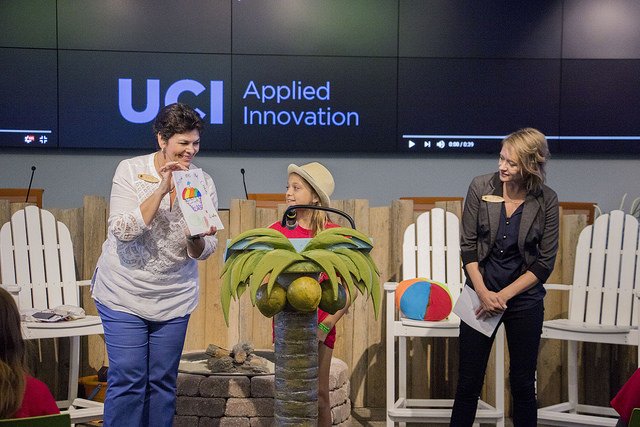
(423, 299)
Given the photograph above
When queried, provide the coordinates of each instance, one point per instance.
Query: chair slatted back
(605, 274)
(36, 250)
(431, 249)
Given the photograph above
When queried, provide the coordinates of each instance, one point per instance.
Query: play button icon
(411, 144)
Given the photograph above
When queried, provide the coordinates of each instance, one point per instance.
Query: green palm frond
(275, 260)
(351, 265)
(354, 273)
(225, 295)
(236, 271)
(255, 233)
(372, 264)
(342, 253)
(374, 289)
(350, 233)
(242, 288)
(229, 261)
(250, 264)
(376, 294)
(330, 263)
(366, 273)
(262, 238)
(328, 241)
(270, 242)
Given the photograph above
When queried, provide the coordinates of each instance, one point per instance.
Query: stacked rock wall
(237, 400)
(340, 390)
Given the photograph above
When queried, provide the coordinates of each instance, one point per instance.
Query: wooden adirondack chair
(431, 249)
(602, 308)
(37, 266)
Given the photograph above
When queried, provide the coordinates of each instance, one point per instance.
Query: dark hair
(12, 357)
(176, 118)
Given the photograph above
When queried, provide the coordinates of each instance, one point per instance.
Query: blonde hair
(530, 148)
(12, 357)
(319, 219)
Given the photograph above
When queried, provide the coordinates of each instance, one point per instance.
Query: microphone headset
(291, 222)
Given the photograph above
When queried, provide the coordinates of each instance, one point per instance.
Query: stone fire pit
(243, 399)
(241, 360)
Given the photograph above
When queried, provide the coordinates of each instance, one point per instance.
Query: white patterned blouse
(146, 270)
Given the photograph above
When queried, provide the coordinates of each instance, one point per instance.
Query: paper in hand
(195, 202)
(466, 306)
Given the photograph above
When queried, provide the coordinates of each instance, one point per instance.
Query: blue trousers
(523, 330)
(143, 368)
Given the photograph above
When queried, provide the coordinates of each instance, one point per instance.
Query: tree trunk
(296, 366)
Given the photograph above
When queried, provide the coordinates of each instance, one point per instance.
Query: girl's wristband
(324, 328)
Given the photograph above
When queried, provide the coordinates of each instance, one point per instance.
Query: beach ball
(423, 299)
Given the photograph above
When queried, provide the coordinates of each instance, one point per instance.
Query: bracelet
(192, 238)
(324, 328)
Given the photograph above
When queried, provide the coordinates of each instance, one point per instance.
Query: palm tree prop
(283, 282)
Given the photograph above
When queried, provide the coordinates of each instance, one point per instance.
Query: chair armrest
(390, 286)
(12, 289)
(84, 403)
(18, 287)
(83, 411)
(557, 287)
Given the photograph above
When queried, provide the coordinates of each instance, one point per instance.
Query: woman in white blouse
(146, 280)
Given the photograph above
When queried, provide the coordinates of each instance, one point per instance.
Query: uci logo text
(173, 93)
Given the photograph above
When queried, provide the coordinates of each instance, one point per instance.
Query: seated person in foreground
(21, 395)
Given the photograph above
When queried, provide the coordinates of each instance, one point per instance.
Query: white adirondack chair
(37, 266)
(431, 249)
(602, 308)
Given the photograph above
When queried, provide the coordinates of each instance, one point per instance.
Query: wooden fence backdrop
(361, 337)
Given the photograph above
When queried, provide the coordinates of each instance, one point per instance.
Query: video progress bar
(25, 131)
(555, 137)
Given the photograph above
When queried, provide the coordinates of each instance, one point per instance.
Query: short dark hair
(176, 118)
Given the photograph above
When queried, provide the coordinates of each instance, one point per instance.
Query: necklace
(513, 201)
(519, 192)
(156, 164)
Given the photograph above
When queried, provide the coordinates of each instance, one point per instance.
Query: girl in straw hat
(312, 184)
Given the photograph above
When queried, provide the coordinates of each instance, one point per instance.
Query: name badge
(492, 198)
(148, 178)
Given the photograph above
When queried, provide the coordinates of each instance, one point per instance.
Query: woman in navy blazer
(509, 241)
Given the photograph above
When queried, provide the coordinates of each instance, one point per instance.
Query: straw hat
(318, 177)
